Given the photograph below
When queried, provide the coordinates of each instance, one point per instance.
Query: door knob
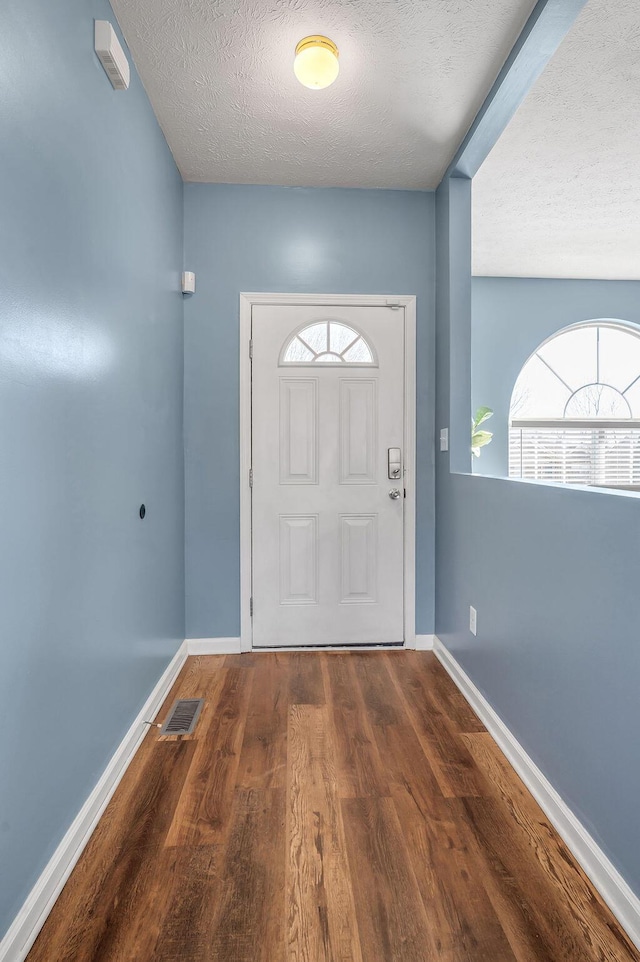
(395, 493)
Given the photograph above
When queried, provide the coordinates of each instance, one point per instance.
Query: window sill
(615, 492)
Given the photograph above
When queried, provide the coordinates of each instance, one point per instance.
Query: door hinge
(250, 477)
(251, 607)
(251, 349)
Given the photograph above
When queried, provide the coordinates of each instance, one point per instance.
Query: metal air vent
(183, 716)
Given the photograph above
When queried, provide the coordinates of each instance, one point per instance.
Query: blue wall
(91, 598)
(512, 316)
(299, 240)
(552, 571)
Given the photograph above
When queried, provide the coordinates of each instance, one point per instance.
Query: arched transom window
(575, 409)
(327, 342)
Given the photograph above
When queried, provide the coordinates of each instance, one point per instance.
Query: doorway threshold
(374, 646)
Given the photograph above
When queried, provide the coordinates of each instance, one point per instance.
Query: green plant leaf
(482, 414)
(480, 438)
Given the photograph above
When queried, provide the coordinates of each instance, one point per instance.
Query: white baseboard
(212, 646)
(424, 642)
(622, 901)
(23, 931)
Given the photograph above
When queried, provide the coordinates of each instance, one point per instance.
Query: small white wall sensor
(444, 439)
(111, 55)
(188, 282)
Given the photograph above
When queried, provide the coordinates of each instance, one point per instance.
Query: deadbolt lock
(394, 463)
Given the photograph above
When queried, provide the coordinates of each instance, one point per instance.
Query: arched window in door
(575, 408)
(328, 342)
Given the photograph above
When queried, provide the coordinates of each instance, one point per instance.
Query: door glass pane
(341, 337)
(329, 358)
(359, 353)
(328, 342)
(316, 337)
(297, 351)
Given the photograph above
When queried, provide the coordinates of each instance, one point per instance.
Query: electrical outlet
(473, 620)
(444, 439)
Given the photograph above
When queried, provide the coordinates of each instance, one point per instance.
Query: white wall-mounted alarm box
(111, 55)
(188, 282)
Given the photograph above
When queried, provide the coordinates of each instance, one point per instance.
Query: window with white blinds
(577, 452)
(575, 409)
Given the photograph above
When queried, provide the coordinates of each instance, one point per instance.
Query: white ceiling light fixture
(316, 64)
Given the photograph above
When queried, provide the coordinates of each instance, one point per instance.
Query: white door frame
(406, 302)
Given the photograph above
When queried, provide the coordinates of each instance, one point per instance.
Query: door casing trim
(407, 302)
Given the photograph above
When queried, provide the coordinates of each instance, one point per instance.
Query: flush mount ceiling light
(316, 64)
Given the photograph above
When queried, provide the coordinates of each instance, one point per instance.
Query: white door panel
(359, 560)
(358, 416)
(298, 549)
(298, 430)
(328, 541)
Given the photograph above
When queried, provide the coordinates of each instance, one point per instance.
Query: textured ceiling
(559, 195)
(413, 74)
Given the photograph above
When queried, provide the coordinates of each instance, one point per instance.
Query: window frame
(282, 362)
(565, 425)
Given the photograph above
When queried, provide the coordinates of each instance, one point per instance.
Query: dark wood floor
(328, 808)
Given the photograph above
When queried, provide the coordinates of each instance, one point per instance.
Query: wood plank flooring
(340, 807)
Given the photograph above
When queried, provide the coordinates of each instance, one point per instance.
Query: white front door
(328, 475)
